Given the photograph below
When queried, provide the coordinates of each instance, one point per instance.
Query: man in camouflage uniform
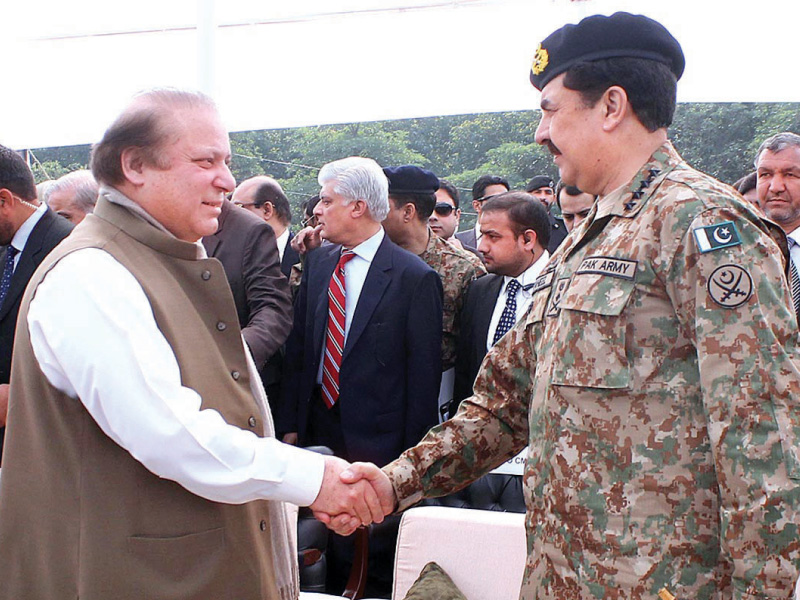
(655, 375)
(412, 196)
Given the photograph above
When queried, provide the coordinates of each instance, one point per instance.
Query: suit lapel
(27, 262)
(486, 309)
(318, 288)
(378, 279)
(290, 257)
(211, 242)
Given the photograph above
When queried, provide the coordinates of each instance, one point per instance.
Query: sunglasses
(443, 209)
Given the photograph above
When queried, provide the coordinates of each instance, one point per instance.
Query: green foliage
(720, 139)
(52, 169)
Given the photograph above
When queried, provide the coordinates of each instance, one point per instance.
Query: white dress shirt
(282, 240)
(524, 297)
(355, 274)
(24, 232)
(96, 339)
(794, 249)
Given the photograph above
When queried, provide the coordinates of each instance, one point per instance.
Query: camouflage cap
(598, 37)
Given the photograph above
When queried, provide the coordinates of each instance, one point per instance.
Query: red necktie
(334, 336)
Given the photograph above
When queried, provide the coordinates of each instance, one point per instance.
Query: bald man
(264, 197)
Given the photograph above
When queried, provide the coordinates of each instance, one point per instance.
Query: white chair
(482, 551)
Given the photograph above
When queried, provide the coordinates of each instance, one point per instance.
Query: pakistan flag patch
(714, 237)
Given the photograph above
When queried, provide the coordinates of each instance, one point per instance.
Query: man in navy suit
(28, 232)
(516, 232)
(391, 361)
(365, 383)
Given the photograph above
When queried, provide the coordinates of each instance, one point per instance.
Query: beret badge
(540, 60)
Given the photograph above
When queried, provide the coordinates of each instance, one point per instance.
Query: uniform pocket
(592, 351)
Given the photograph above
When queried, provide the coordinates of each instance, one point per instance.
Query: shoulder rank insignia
(714, 237)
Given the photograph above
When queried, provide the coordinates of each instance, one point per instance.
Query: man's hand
(354, 503)
(307, 239)
(343, 523)
(3, 403)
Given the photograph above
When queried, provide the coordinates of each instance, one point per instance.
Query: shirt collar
(528, 277)
(114, 196)
(24, 232)
(794, 236)
(369, 247)
(281, 239)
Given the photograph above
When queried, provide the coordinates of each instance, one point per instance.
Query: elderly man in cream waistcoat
(140, 456)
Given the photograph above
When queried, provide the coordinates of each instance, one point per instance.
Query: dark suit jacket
(45, 236)
(476, 316)
(558, 231)
(467, 238)
(245, 245)
(391, 366)
(290, 257)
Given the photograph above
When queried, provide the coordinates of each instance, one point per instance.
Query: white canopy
(69, 67)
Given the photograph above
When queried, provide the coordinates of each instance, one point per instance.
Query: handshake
(353, 495)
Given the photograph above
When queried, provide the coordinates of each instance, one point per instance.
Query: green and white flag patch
(714, 237)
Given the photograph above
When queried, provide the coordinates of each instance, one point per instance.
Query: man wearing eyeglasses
(447, 214)
(264, 197)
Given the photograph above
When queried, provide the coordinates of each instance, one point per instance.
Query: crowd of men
(172, 347)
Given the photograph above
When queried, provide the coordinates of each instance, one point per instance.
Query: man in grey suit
(28, 231)
(245, 245)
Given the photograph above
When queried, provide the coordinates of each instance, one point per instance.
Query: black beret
(409, 179)
(540, 181)
(622, 35)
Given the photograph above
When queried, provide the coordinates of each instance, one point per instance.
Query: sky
(72, 66)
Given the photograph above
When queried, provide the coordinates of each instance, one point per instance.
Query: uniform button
(221, 326)
(251, 421)
(235, 375)
(206, 275)
(263, 525)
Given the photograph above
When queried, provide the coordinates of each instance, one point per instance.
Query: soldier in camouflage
(655, 376)
(411, 200)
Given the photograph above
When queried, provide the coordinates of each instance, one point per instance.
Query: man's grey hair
(359, 178)
(80, 185)
(145, 125)
(778, 142)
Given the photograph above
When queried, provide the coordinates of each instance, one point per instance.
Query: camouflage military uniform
(457, 268)
(656, 378)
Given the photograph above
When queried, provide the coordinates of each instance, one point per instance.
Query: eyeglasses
(443, 209)
(309, 221)
(245, 204)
